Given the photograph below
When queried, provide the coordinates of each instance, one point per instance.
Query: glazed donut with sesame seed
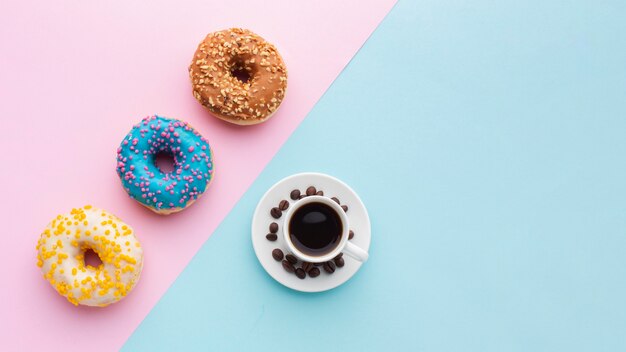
(238, 76)
(61, 251)
(164, 192)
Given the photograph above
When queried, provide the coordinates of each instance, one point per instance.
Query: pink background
(75, 76)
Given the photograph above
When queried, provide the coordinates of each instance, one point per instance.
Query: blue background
(488, 140)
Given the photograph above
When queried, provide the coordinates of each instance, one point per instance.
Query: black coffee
(315, 229)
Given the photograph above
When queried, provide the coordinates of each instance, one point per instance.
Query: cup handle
(355, 252)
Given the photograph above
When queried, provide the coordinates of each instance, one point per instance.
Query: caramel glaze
(224, 55)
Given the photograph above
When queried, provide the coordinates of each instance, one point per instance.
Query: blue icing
(145, 182)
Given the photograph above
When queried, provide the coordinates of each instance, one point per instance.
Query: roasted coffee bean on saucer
(295, 194)
(351, 235)
(339, 262)
(345, 208)
(336, 200)
(277, 254)
(283, 205)
(319, 193)
(271, 237)
(306, 266)
(314, 272)
(273, 227)
(311, 191)
(288, 266)
(291, 258)
(276, 213)
(300, 273)
(329, 267)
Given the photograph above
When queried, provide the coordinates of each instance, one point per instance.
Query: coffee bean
(345, 208)
(306, 266)
(351, 235)
(319, 193)
(300, 274)
(276, 213)
(271, 237)
(314, 272)
(273, 227)
(339, 255)
(336, 200)
(288, 266)
(329, 267)
(291, 258)
(311, 191)
(283, 205)
(277, 254)
(339, 262)
(295, 194)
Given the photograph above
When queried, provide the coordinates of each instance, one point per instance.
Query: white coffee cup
(343, 246)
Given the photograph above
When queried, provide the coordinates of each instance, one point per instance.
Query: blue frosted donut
(164, 193)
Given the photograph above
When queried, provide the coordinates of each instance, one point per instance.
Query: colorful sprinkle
(61, 251)
(146, 183)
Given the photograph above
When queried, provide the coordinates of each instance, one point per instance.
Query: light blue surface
(488, 140)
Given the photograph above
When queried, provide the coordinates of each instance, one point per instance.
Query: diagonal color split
(492, 166)
(76, 76)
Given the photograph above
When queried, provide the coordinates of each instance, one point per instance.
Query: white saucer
(332, 187)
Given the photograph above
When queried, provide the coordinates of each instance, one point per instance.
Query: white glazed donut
(62, 248)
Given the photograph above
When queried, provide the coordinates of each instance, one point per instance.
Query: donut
(164, 192)
(238, 76)
(61, 251)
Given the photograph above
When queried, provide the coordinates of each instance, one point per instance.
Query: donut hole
(241, 73)
(91, 258)
(164, 161)
(242, 69)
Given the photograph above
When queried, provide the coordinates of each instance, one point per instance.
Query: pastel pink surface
(75, 76)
